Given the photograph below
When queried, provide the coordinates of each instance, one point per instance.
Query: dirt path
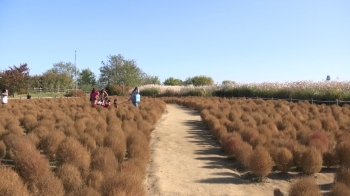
(186, 161)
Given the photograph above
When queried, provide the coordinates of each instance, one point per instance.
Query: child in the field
(115, 103)
(107, 103)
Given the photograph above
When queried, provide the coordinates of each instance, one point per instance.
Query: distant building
(328, 78)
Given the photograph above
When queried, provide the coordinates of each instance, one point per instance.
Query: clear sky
(240, 40)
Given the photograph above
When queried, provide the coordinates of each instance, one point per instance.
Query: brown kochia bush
(70, 176)
(115, 140)
(303, 187)
(343, 153)
(343, 175)
(311, 161)
(284, 159)
(260, 162)
(2, 149)
(340, 189)
(11, 183)
(28, 161)
(95, 179)
(243, 152)
(72, 151)
(50, 143)
(103, 159)
(230, 143)
(319, 140)
(84, 191)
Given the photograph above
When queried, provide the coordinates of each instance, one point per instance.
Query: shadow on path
(212, 154)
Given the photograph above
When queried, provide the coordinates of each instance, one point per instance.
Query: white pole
(75, 63)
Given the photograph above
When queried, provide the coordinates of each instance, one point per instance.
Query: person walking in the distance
(4, 96)
(135, 97)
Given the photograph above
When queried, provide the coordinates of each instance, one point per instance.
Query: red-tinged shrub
(340, 189)
(70, 176)
(284, 159)
(103, 159)
(243, 152)
(248, 134)
(95, 179)
(311, 161)
(303, 187)
(72, 151)
(2, 149)
(343, 153)
(11, 183)
(28, 161)
(343, 175)
(260, 162)
(50, 142)
(230, 144)
(319, 140)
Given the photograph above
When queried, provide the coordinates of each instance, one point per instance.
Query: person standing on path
(4, 96)
(134, 93)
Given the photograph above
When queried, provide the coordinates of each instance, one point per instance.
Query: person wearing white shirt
(4, 96)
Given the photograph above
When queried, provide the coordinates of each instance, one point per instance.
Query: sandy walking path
(187, 161)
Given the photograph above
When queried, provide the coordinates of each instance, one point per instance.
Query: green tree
(86, 79)
(119, 70)
(62, 67)
(199, 81)
(15, 79)
(228, 82)
(172, 82)
(148, 79)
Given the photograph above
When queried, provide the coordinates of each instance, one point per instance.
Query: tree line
(115, 73)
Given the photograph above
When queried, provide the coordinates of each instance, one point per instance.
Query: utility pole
(75, 63)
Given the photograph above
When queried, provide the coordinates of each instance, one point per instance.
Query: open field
(217, 146)
(66, 147)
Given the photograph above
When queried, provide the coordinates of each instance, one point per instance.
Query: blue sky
(240, 40)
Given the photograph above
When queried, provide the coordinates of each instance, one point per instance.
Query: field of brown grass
(63, 146)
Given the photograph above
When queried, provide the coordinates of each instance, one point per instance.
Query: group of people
(101, 98)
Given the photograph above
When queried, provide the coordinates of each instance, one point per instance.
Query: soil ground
(187, 161)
